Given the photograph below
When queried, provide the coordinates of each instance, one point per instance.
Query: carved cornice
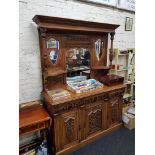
(72, 24)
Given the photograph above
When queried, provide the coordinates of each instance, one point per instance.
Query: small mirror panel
(78, 60)
(53, 55)
(53, 44)
(98, 48)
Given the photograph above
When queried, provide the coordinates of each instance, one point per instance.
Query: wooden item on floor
(33, 118)
(78, 119)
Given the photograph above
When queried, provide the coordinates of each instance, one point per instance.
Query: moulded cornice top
(58, 23)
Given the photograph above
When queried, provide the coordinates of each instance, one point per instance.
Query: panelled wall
(29, 56)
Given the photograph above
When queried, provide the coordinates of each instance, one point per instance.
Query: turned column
(111, 53)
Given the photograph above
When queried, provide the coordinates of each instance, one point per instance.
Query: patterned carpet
(121, 142)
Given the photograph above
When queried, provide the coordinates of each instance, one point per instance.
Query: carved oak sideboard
(83, 118)
(80, 118)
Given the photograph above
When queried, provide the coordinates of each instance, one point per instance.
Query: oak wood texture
(74, 96)
(33, 118)
(72, 33)
(83, 116)
(80, 118)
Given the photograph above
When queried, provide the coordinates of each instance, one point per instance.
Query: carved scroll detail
(94, 119)
(69, 126)
(43, 32)
(77, 103)
(85, 101)
(114, 110)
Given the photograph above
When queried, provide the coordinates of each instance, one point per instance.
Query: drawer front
(72, 105)
(32, 128)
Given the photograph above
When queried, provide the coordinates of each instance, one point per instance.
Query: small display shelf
(123, 54)
(128, 82)
(119, 70)
(101, 67)
(126, 95)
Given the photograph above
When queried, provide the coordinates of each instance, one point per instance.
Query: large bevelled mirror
(53, 45)
(78, 61)
(98, 48)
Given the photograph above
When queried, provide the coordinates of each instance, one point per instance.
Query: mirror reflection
(78, 61)
(54, 46)
(52, 43)
(98, 48)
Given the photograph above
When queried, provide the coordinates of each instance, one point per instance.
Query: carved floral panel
(69, 129)
(114, 110)
(94, 120)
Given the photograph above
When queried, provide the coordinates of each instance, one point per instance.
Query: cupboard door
(114, 111)
(67, 129)
(95, 118)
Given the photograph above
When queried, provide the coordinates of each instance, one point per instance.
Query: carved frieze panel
(73, 104)
(89, 100)
(77, 41)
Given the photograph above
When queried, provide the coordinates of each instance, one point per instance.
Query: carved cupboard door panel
(95, 118)
(68, 133)
(114, 110)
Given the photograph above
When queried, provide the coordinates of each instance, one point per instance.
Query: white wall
(29, 67)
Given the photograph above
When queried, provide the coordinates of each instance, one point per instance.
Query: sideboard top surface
(76, 96)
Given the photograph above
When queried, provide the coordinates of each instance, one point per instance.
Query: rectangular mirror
(78, 63)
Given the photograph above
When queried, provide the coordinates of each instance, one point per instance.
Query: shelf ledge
(126, 95)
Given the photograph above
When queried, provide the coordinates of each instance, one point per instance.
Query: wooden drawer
(33, 128)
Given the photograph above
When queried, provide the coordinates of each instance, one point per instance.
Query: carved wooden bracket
(43, 32)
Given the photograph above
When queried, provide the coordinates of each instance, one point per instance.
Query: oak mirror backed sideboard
(74, 48)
